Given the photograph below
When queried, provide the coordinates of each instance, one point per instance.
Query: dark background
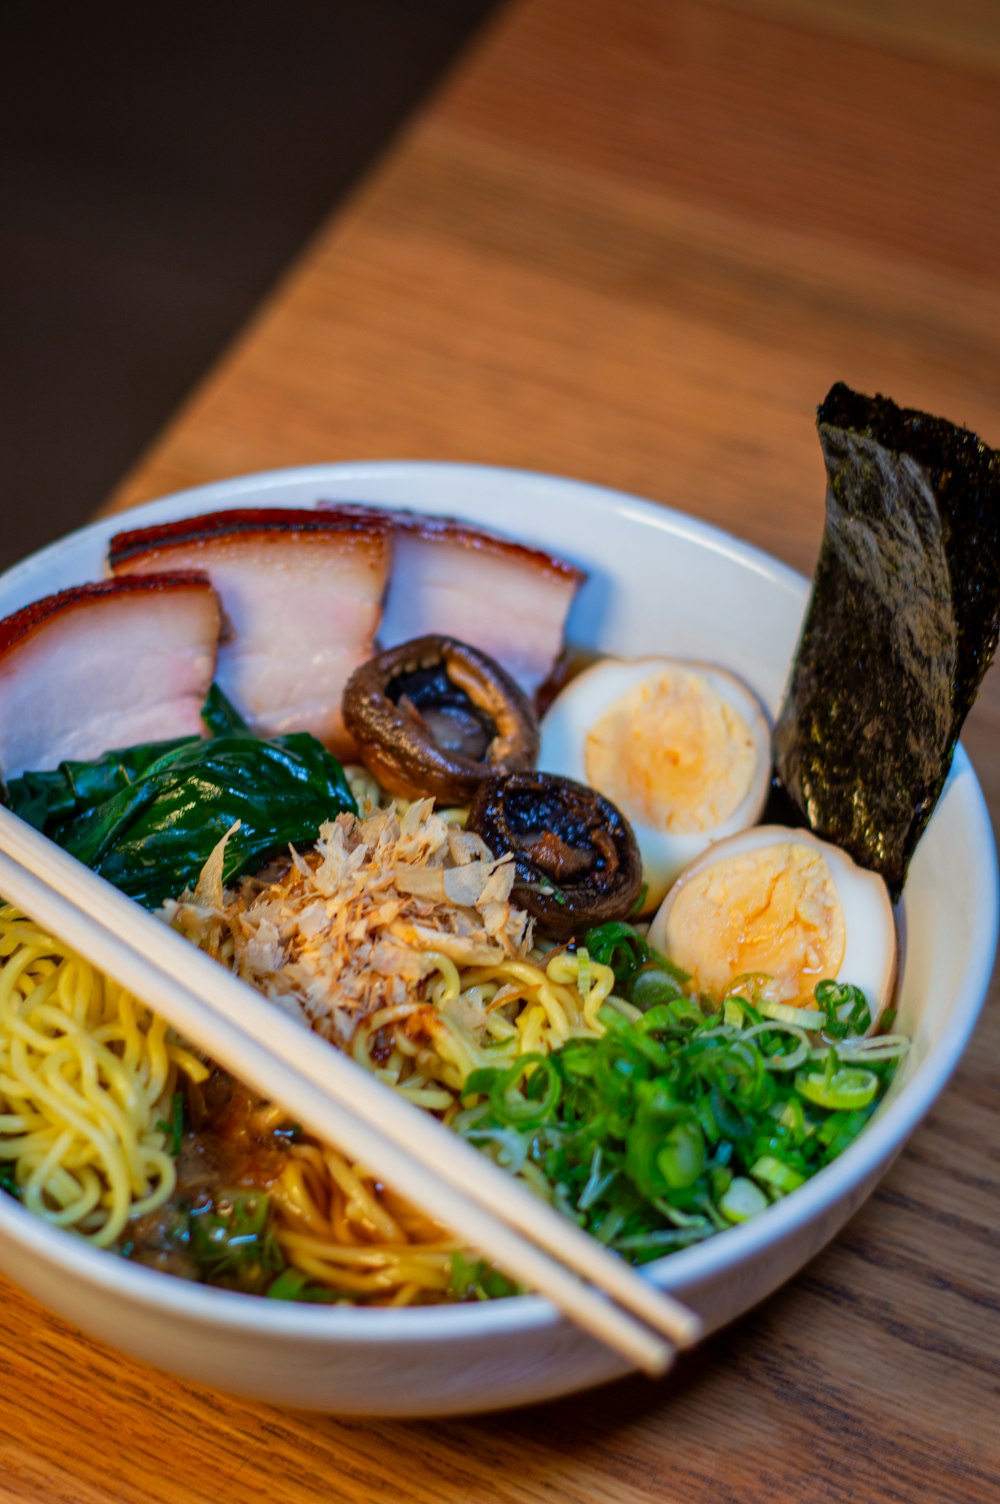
(158, 169)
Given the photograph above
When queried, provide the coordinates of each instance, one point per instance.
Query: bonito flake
(352, 926)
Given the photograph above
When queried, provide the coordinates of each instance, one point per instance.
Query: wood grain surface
(636, 241)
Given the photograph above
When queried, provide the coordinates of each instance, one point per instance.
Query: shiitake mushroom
(436, 716)
(577, 860)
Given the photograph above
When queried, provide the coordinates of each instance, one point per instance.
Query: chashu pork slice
(104, 666)
(301, 593)
(506, 599)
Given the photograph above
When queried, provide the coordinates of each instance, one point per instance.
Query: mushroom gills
(452, 720)
(435, 717)
(576, 856)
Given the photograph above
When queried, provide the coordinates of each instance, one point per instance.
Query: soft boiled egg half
(782, 905)
(683, 750)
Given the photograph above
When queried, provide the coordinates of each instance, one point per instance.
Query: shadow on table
(160, 169)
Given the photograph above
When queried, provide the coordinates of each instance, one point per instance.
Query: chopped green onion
(478, 1280)
(652, 987)
(776, 1174)
(507, 1146)
(733, 1012)
(806, 1018)
(750, 985)
(640, 901)
(175, 1127)
(527, 1108)
(845, 1009)
(287, 1285)
(680, 1118)
(682, 1158)
(875, 1047)
(845, 1088)
(777, 1060)
(597, 1183)
(621, 947)
(232, 1241)
(840, 1130)
(742, 1201)
(650, 1245)
(793, 1118)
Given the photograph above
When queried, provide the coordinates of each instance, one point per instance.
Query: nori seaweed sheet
(901, 627)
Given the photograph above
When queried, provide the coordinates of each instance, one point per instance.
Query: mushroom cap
(577, 859)
(437, 717)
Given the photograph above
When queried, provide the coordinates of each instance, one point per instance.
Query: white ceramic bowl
(659, 583)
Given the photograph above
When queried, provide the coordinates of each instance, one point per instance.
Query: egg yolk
(773, 911)
(672, 754)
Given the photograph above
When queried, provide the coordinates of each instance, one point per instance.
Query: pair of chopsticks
(338, 1101)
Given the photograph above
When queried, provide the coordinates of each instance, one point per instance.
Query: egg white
(870, 949)
(587, 698)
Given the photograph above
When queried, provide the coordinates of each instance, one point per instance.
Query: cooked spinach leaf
(147, 818)
(221, 716)
(47, 800)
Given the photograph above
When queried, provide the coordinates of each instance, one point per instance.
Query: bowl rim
(869, 1154)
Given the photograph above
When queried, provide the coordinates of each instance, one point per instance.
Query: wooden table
(636, 241)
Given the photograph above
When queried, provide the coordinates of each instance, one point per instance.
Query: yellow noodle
(340, 1232)
(540, 992)
(86, 1073)
(451, 983)
(361, 1205)
(530, 1025)
(374, 1273)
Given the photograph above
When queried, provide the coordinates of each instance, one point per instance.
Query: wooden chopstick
(340, 1102)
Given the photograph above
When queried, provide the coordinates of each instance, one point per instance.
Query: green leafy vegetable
(221, 716)
(294, 1284)
(478, 1280)
(48, 800)
(223, 1238)
(233, 1243)
(175, 1127)
(148, 818)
